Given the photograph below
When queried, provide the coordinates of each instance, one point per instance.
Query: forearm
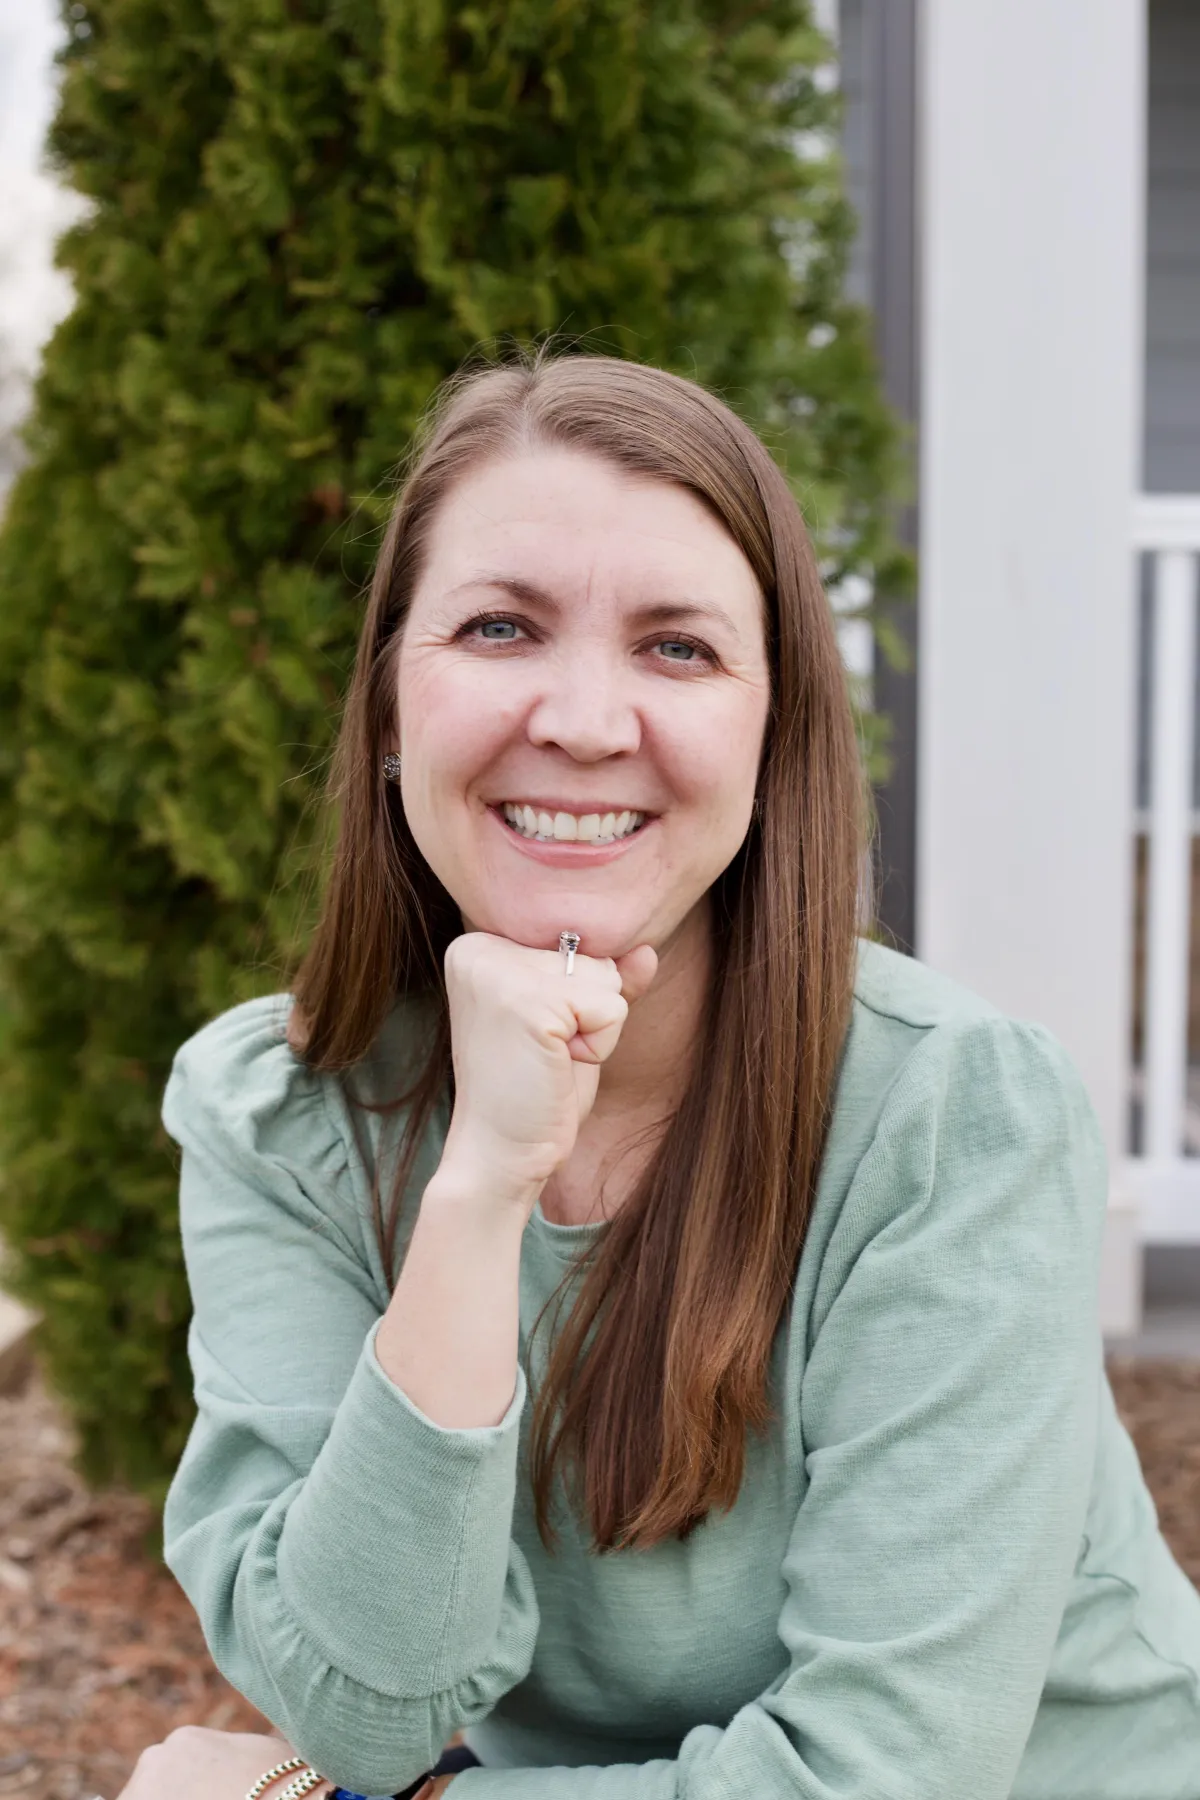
(374, 1606)
(449, 1337)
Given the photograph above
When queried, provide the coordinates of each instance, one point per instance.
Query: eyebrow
(657, 612)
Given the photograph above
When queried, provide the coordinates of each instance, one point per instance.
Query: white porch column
(1032, 181)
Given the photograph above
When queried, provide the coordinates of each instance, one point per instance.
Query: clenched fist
(528, 1043)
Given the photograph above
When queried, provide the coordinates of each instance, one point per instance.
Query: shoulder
(236, 1066)
(935, 1082)
(914, 1025)
(239, 1100)
(237, 1085)
(248, 1041)
(964, 1170)
(908, 992)
(911, 1027)
(271, 1146)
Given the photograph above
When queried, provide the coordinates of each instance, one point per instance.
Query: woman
(735, 1423)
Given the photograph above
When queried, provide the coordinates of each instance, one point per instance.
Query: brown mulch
(100, 1653)
(1160, 1404)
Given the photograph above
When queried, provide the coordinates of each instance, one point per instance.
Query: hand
(195, 1763)
(528, 1042)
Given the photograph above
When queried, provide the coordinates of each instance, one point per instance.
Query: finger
(637, 969)
(631, 974)
(595, 1012)
(595, 968)
(599, 1018)
(595, 1046)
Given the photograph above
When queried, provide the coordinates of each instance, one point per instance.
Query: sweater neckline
(565, 1240)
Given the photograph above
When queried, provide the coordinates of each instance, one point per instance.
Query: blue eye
(670, 645)
(497, 628)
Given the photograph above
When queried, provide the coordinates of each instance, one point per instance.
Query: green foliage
(304, 213)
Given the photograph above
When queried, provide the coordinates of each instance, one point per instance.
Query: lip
(569, 854)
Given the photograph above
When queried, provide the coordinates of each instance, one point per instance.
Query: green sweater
(942, 1579)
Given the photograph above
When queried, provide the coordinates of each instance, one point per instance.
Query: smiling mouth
(570, 828)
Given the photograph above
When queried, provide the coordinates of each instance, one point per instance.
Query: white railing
(1163, 1175)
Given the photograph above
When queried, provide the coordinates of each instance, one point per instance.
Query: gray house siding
(1171, 450)
(876, 39)
(856, 143)
(1171, 457)
(877, 54)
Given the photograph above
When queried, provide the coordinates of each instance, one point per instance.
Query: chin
(538, 925)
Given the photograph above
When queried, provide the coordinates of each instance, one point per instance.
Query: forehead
(576, 521)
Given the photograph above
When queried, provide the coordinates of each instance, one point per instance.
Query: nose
(586, 706)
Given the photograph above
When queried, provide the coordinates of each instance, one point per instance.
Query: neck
(640, 1085)
(648, 1070)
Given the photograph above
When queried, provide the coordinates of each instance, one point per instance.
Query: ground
(100, 1654)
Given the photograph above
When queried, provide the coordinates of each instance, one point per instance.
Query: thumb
(637, 969)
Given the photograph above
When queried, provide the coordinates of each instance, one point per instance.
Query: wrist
(469, 1180)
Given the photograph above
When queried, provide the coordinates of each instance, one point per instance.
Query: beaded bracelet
(303, 1784)
(283, 1768)
(306, 1779)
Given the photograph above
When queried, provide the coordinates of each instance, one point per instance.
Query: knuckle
(156, 1759)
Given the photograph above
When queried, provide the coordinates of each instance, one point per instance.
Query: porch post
(1031, 206)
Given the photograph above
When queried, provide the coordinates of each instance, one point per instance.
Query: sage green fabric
(942, 1580)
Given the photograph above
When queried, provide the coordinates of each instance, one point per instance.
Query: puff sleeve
(350, 1561)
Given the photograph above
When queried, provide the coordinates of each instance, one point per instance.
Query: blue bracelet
(340, 1793)
(451, 1762)
(345, 1794)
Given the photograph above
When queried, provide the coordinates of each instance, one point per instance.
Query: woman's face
(582, 694)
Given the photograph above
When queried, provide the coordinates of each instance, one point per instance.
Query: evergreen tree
(304, 213)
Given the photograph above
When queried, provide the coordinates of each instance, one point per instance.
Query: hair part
(660, 1367)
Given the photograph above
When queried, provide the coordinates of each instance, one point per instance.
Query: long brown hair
(660, 1366)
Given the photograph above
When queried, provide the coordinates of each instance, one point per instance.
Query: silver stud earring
(391, 767)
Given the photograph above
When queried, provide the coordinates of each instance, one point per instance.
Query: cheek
(446, 730)
(717, 760)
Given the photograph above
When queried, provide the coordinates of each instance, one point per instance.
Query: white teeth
(566, 828)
